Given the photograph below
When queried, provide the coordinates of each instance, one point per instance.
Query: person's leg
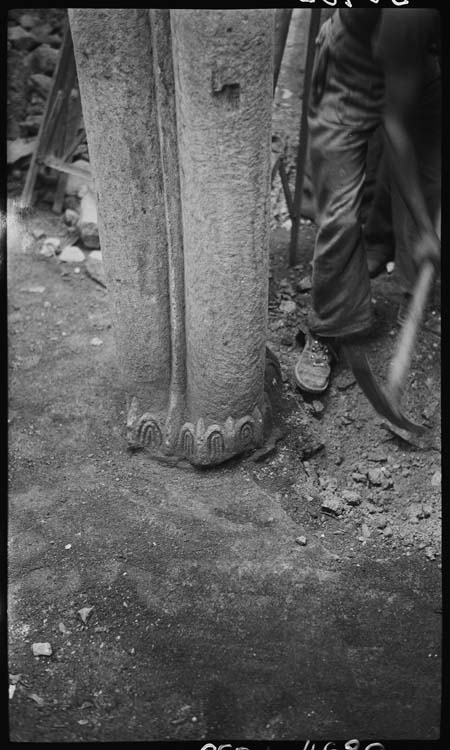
(341, 287)
(344, 111)
(378, 231)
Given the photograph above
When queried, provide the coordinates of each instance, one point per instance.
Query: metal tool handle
(400, 363)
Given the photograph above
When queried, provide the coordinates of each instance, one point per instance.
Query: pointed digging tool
(386, 401)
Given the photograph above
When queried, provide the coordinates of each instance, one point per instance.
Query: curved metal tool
(387, 401)
(378, 397)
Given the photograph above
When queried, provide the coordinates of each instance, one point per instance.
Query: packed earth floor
(288, 594)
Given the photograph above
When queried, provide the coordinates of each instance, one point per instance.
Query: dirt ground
(293, 596)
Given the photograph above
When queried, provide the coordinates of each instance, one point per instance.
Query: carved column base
(206, 444)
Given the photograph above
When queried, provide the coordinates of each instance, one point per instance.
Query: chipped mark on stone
(224, 86)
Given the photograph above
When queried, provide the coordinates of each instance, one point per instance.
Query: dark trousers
(346, 107)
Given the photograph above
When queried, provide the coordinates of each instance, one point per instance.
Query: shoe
(403, 309)
(313, 368)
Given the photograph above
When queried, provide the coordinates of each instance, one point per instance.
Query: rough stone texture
(27, 21)
(41, 83)
(21, 39)
(223, 75)
(195, 230)
(44, 59)
(27, 29)
(18, 70)
(118, 98)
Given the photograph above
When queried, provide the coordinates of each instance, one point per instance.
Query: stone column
(115, 73)
(177, 108)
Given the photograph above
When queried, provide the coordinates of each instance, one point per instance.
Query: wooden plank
(50, 117)
(55, 162)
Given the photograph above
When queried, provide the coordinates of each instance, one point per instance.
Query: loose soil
(287, 595)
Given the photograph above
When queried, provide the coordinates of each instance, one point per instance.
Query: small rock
(288, 307)
(414, 511)
(328, 483)
(436, 479)
(71, 217)
(332, 504)
(27, 21)
(12, 690)
(302, 541)
(38, 233)
(382, 522)
(430, 553)
(344, 380)
(35, 289)
(390, 266)
(37, 699)
(377, 456)
(72, 254)
(274, 325)
(19, 149)
(55, 241)
(68, 546)
(360, 478)
(83, 721)
(62, 628)
(31, 125)
(426, 511)
(351, 497)
(376, 477)
(96, 341)
(41, 649)
(54, 40)
(21, 39)
(85, 613)
(41, 83)
(387, 532)
(317, 408)
(50, 247)
(44, 59)
(365, 531)
(305, 284)
(72, 202)
(287, 288)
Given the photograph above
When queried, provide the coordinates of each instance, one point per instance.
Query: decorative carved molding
(202, 444)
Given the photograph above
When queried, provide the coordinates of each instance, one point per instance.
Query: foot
(313, 368)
